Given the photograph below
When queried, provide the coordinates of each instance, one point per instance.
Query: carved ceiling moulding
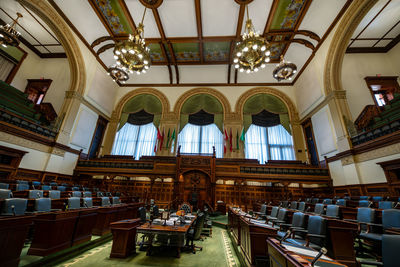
(151, 3)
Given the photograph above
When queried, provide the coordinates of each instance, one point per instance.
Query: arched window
(267, 127)
(137, 134)
(201, 126)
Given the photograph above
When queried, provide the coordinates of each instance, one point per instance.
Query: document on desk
(304, 251)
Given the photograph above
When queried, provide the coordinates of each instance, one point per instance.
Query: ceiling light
(138, 56)
(251, 59)
(8, 34)
(284, 70)
(117, 74)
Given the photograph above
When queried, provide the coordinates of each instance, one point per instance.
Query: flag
(162, 139)
(237, 140)
(173, 141)
(242, 135)
(158, 139)
(230, 140)
(167, 144)
(225, 140)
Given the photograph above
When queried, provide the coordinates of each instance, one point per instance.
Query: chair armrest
(279, 221)
(299, 230)
(376, 263)
(315, 235)
(286, 224)
(350, 220)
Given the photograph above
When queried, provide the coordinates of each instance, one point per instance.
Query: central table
(170, 235)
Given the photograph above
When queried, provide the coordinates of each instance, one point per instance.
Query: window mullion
(268, 148)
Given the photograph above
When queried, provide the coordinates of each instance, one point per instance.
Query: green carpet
(217, 251)
(221, 219)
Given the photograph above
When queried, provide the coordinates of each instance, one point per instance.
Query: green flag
(242, 135)
(173, 141)
(167, 144)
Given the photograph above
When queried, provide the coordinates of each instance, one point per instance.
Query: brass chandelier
(284, 70)
(133, 55)
(8, 34)
(252, 52)
(117, 74)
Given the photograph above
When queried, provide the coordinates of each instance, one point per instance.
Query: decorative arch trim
(164, 101)
(334, 60)
(293, 114)
(219, 96)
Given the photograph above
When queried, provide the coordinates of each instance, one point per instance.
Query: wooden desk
(53, 232)
(288, 256)
(13, 232)
(250, 236)
(84, 226)
(124, 238)
(168, 231)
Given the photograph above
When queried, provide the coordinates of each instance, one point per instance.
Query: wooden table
(178, 232)
(124, 238)
(289, 255)
(13, 232)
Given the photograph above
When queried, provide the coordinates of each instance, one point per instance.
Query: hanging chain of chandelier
(8, 34)
(253, 52)
(131, 55)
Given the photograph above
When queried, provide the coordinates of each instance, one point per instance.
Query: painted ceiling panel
(286, 15)
(156, 53)
(91, 28)
(203, 73)
(216, 51)
(384, 22)
(394, 32)
(219, 18)
(383, 43)
(320, 15)
(56, 49)
(176, 13)
(136, 10)
(186, 51)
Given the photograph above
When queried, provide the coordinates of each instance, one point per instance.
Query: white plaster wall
(84, 126)
(337, 173)
(56, 69)
(42, 161)
(324, 133)
(358, 66)
(370, 172)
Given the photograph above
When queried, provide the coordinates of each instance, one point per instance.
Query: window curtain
(135, 140)
(201, 139)
(263, 143)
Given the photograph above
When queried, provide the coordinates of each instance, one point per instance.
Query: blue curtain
(201, 139)
(135, 140)
(264, 143)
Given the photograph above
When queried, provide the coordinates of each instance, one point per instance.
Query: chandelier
(117, 74)
(252, 52)
(284, 70)
(8, 34)
(133, 55)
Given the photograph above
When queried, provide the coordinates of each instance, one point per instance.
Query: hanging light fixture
(252, 52)
(118, 74)
(133, 55)
(8, 34)
(284, 70)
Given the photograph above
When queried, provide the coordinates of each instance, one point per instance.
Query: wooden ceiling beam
(270, 16)
(164, 52)
(394, 26)
(199, 29)
(164, 39)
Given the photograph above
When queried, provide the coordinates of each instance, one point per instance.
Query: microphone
(370, 204)
(397, 204)
(38, 194)
(13, 210)
(323, 251)
(289, 205)
(288, 232)
(270, 203)
(308, 209)
(387, 198)
(85, 204)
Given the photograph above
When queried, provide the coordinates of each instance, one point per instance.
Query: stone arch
(348, 24)
(163, 99)
(221, 98)
(56, 23)
(293, 114)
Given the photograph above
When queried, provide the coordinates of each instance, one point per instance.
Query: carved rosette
(151, 3)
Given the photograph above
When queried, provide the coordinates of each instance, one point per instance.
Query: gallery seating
(315, 234)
